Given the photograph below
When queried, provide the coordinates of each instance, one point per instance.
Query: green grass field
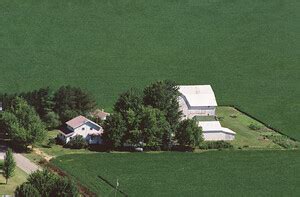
(247, 50)
(215, 173)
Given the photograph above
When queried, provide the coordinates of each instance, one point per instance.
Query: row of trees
(151, 118)
(54, 107)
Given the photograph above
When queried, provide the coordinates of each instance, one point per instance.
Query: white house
(213, 131)
(197, 100)
(80, 125)
(200, 100)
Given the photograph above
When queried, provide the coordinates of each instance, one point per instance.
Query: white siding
(218, 135)
(190, 112)
(88, 131)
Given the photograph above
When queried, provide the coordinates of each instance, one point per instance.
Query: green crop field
(214, 173)
(247, 50)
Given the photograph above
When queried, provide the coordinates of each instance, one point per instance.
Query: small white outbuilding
(213, 131)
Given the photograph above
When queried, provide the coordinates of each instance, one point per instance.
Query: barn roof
(198, 95)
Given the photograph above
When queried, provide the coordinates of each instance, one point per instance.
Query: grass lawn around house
(18, 178)
(247, 138)
(212, 173)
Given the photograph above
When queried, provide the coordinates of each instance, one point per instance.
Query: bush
(77, 142)
(283, 141)
(46, 184)
(27, 190)
(215, 145)
(51, 142)
(254, 127)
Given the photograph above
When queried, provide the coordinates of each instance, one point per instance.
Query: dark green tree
(72, 101)
(27, 190)
(154, 127)
(189, 133)
(114, 130)
(46, 184)
(52, 120)
(163, 95)
(41, 100)
(9, 165)
(129, 100)
(22, 124)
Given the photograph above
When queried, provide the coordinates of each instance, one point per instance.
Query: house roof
(213, 126)
(198, 95)
(77, 121)
(100, 113)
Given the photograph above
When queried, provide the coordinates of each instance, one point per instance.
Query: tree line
(27, 116)
(150, 119)
(54, 107)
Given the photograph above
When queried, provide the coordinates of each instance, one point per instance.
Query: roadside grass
(246, 138)
(18, 178)
(212, 173)
(247, 50)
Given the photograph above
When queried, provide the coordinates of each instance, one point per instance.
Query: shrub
(46, 184)
(254, 127)
(233, 116)
(51, 142)
(77, 142)
(215, 145)
(27, 190)
(283, 141)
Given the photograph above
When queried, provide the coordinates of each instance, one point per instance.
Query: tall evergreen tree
(71, 101)
(9, 165)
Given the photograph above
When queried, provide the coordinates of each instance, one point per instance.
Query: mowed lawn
(18, 178)
(214, 173)
(247, 50)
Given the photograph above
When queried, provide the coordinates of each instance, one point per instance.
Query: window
(83, 129)
(91, 128)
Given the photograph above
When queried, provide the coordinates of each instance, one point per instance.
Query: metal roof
(213, 126)
(198, 95)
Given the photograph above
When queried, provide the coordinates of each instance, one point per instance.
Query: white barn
(200, 100)
(197, 100)
(213, 131)
(80, 125)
